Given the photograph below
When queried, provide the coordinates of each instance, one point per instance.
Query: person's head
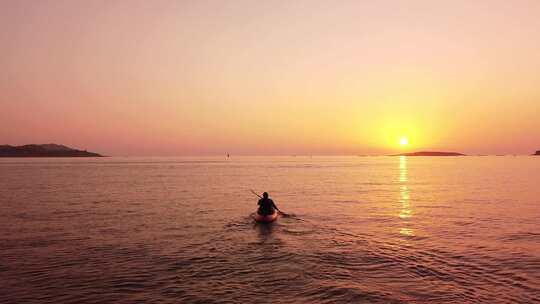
(265, 195)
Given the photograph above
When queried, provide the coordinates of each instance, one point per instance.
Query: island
(537, 153)
(430, 153)
(46, 150)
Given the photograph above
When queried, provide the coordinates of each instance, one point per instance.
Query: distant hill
(537, 153)
(430, 153)
(46, 150)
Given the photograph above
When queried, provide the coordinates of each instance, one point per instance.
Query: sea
(355, 230)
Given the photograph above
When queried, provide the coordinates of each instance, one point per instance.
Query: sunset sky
(271, 77)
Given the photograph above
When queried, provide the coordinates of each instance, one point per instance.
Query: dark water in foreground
(179, 230)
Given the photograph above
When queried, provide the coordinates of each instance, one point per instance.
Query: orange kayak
(266, 218)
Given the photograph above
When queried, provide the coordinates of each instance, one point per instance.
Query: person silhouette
(266, 205)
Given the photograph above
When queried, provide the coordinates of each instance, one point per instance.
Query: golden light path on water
(405, 212)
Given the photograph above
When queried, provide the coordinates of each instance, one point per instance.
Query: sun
(403, 141)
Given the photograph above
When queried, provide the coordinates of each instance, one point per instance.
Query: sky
(168, 78)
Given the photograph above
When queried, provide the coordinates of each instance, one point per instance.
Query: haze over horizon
(307, 77)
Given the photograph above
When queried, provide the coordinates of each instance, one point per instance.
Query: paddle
(282, 213)
(255, 193)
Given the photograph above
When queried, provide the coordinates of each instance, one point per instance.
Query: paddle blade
(284, 214)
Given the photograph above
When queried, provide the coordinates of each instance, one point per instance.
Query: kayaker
(266, 205)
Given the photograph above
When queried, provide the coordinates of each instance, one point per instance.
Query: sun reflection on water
(405, 211)
(403, 169)
(404, 198)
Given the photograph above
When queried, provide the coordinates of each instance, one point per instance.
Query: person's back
(266, 205)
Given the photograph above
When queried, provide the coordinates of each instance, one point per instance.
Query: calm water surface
(180, 230)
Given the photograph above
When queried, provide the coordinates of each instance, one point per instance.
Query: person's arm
(274, 205)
